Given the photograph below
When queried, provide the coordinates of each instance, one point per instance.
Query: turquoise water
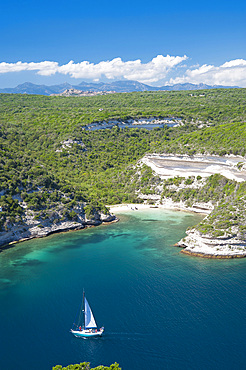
(160, 309)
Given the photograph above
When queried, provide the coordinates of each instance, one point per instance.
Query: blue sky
(207, 41)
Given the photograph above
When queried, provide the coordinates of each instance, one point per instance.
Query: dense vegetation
(59, 115)
(220, 140)
(100, 167)
(86, 366)
(227, 196)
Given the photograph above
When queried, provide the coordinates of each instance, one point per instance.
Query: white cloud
(150, 72)
(232, 73)
(43, 68)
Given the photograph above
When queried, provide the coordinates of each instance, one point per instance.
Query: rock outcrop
(211, 247)
(32, 228)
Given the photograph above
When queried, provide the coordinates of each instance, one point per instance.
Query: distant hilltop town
(75, 92)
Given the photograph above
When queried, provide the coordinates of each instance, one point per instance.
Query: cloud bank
(150, 72)
(231, 73)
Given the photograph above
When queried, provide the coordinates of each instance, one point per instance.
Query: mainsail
(89, 318)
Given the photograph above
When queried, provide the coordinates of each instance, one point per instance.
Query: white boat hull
(87, 333)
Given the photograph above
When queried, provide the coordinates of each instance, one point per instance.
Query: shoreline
(59, 231)
(133, 207)
(113, 209)
(212, 256)
(212, 253)
(118, 208)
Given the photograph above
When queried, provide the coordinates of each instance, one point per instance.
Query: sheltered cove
(132, 207)
(165, 166)
(195, 243)
(187, 248)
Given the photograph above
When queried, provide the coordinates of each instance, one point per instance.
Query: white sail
(89, 318)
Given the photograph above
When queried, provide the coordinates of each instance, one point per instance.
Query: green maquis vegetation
(227, 196)
(220, 140)
(86, 366)
(51, 166)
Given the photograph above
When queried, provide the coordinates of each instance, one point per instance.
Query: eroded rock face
(107, 218)
(170, 165)
(32, 228)
(207, 246)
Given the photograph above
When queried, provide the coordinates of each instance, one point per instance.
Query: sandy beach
(168, 204)
(193, 244)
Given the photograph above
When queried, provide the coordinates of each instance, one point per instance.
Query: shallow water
(160, 309)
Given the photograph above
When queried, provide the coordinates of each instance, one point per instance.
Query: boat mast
(83, 309)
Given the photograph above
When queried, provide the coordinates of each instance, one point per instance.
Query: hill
(56, 175)
(117, 86)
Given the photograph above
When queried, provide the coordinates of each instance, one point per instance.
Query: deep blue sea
(160, 309)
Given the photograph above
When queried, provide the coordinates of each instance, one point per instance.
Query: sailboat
(86, 326)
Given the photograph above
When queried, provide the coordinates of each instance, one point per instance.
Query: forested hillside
(222, 139)
(48, 160)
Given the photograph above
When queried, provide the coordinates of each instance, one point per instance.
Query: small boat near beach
(86, 326)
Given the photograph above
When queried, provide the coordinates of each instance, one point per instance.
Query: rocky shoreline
(223, 247)
(18, 233)
(222, 233)
(195, 244)
(212, 256)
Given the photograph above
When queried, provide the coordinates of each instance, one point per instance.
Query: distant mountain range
(117, 86)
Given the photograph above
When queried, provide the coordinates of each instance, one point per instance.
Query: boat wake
(120, 333)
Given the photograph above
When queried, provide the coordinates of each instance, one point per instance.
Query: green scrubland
(101, 167)
(86, 366)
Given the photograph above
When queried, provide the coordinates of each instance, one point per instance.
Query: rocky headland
(199, 245)
(30, 227)
(213, 185)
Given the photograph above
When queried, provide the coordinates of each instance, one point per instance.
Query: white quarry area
(149, 121)
(168, 165)
(144, 121)
(194, 243)
(175, 122)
